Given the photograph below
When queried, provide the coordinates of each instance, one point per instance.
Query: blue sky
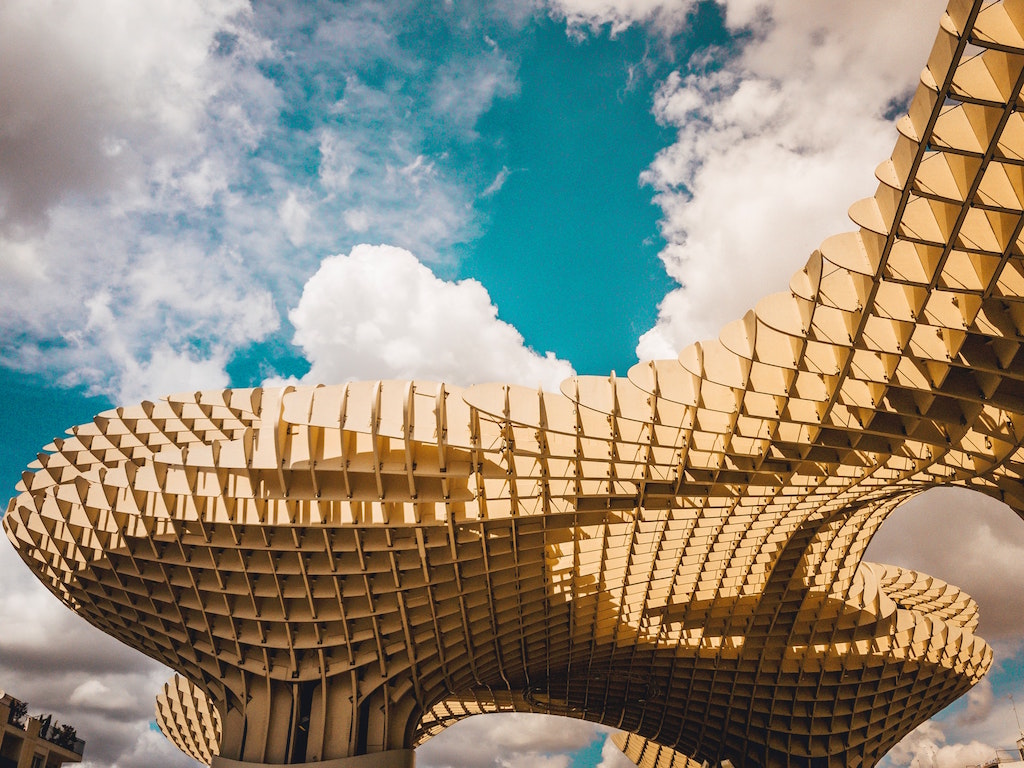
(217, 194)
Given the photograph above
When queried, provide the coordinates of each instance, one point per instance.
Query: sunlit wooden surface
(346, 570)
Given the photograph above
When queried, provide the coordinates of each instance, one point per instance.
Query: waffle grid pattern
(349, 569)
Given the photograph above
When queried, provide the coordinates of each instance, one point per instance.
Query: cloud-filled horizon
(209, 194)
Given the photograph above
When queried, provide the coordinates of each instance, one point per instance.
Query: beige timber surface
(346, 570)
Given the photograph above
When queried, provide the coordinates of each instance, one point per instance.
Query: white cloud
(379, 313)
(149, 197)
(977, 544)
(162, 318)
(618, 15)
(416, 173)
(613, 757)
(89, 91)
(294, 217)
(357, 219)
(149, 748)
(462, 91)
(120, 123)
(509, 740)
(336, 160)
(95, 693)
(205, 182)
(773, 145)
(154, 321)
(168, 370)
(499, 181)
(979, 704)
(925, 747)
(51, 658)
(380, 182)
(373, 168)
(112, 104)
(969, 540)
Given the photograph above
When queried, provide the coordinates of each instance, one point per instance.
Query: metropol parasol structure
(338, 573)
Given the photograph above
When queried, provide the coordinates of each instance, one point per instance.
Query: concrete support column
(33, 744)
(332, 720)
(318, 722)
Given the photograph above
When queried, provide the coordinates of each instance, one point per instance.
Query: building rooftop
(52, 743)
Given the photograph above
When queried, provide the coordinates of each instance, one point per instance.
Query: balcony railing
(61, 735)
(1002, 756)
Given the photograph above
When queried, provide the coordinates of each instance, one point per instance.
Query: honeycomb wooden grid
(347, 570)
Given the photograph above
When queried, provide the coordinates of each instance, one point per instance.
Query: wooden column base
(394, 758)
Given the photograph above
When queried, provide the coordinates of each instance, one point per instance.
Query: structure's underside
(347, 570)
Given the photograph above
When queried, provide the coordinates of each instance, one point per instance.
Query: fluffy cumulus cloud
(172, 172)
(120, 128)
(378, 312)
(612, 756)
(62, 666)
(518, 741)
(777, 135)
(971, 541)
(977, 544)
(926, 747)
(78, 87)
(775, 140)
(510, 741)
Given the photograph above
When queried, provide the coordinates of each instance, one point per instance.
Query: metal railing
(62, 735)
(1001, 756)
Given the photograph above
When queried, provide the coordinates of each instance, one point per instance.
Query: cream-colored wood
(397, 758)
(346, 570)
(186, 717)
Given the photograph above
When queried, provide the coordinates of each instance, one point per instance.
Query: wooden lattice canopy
(346, 570)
